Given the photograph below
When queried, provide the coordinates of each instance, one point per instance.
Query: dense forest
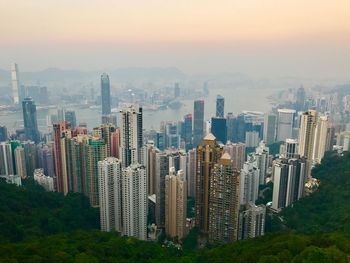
(36, 226)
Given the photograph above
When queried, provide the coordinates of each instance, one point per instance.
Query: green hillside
(36, 226)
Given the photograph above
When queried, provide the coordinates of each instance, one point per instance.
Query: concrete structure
(131, 136)
(20, 161)
(175, 204)
(285, 124)
(252, 221)
(249, 182)
(46, 182)
(237, 153)
(134, 201)
(208, 154)
(110, 194)
(223, 201)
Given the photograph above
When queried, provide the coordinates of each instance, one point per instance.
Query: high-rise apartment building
(6, 162)
(289, 177)
(110, 194)
(249, 182)
(261, 157)
(320, 139)
(223, 201)
(105, 95)
(237, 153)
(308, 122)
(191, 172)
(175, 203)
(198, 122)
(208, 154)
(30, 120)
(46, 182)
(131, 136)
(134, 201)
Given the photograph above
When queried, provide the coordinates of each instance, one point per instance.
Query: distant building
(300, 99)
(12, 179)
(219, 130)
(30, 120)
(191, 172)
(3, 134)
(285, 124)
(237, 153)
(270, 126)
(220, 106)
(15, 83)
(71, 119)
(105, 95)
(188, 131)
(45, 181)
(198, 122)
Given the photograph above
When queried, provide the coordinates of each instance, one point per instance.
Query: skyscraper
(71, 118)
(134, 201)
(188, 131)
(270, 125)
(110, 194)
(15, 83)
(30, 120)
(300, 100)
(58, 132)
(220, 106)
(208, 154)
(219, 129)
(320, 140)
(285, 124)
(105, 95)
(175, 203)
(223, 201)
(198, 122)
(131, 136)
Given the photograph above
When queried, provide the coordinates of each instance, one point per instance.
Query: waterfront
(236, 100)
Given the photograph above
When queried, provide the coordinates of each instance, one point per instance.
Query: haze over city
(273, 38)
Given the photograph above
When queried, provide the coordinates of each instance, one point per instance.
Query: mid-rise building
(251, 221)
(45, 181)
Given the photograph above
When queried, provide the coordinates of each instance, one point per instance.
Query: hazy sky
(259, 37)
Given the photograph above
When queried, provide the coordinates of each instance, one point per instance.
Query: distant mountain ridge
(122, 74)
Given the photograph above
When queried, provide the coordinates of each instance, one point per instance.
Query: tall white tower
(134, 201)
(15, 83)
(131, 138)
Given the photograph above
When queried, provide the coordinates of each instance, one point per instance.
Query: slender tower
(15, 83)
